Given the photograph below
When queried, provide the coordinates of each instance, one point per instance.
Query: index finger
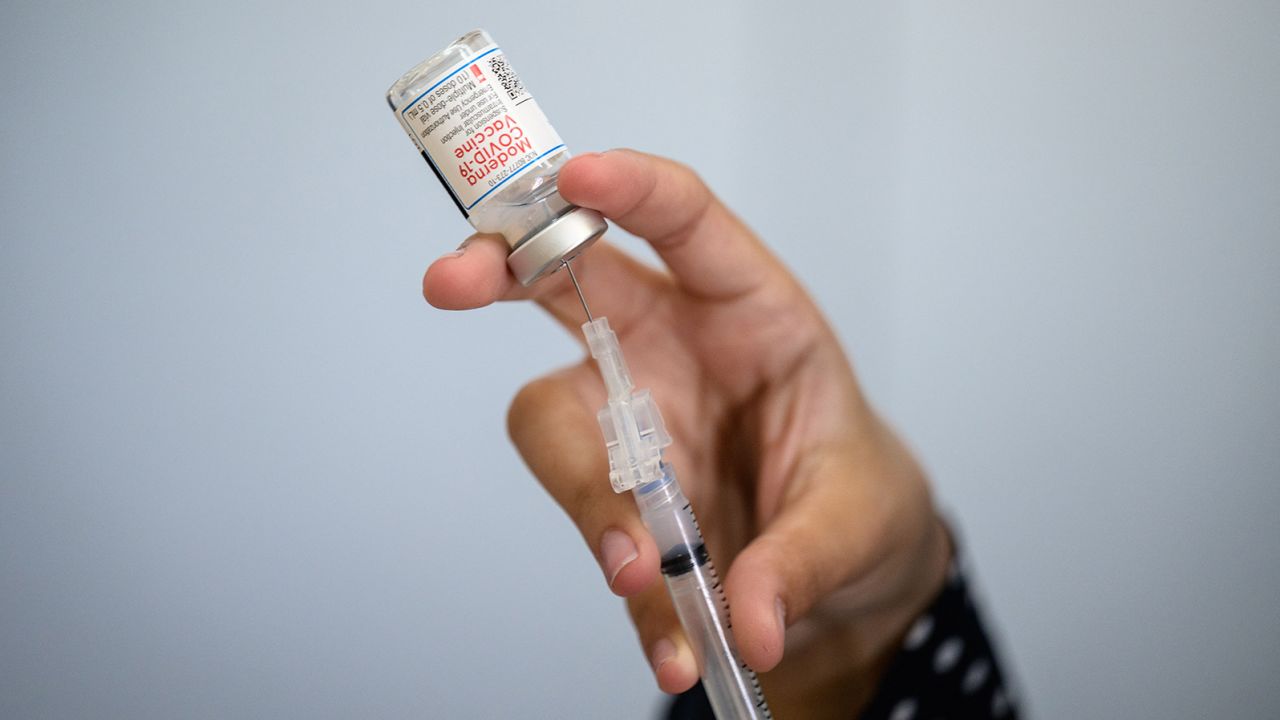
(709, 250)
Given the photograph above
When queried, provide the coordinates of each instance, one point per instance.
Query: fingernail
(617, 550)
(781, 609)
(663, 652)
(461, 249)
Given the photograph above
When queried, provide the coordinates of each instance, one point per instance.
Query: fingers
(560, 442)
(476, 275)
(663, 640)
(473, 276)
(710, 252)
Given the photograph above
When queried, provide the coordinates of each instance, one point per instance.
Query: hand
(821, 516)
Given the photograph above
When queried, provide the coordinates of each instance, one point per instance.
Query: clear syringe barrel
(635, 436)
(696, 592)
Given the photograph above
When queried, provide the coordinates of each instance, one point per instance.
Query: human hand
(821, 515)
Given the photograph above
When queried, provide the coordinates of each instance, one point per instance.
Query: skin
(821, 515)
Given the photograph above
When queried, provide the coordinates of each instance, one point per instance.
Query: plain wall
(246, 472)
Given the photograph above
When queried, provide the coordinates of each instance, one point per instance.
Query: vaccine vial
(495, 152)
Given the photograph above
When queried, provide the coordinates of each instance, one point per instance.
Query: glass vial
(495, 152)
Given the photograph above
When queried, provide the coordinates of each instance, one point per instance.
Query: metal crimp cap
(562, 240)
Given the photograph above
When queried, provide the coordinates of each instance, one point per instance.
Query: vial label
(479, 127)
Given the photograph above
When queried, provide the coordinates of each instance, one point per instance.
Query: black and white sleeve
(946, 666)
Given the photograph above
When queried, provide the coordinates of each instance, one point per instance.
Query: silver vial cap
(562, 240)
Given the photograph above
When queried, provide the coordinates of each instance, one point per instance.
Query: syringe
(635, 437)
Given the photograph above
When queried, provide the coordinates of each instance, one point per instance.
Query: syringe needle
(577, 287)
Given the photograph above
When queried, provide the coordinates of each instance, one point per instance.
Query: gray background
(246, 472)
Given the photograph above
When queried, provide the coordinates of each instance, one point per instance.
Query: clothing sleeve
(945, 668)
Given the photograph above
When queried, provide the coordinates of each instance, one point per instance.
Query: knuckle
(689, 178)
(694, 180)
(525, 407)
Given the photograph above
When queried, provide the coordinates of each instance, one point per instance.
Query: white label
(479, 127)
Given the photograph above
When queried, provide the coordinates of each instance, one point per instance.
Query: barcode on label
(507, 76)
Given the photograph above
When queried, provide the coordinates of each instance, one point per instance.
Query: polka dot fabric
(946, 668)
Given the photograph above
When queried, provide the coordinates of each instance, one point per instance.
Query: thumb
(833, 529)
